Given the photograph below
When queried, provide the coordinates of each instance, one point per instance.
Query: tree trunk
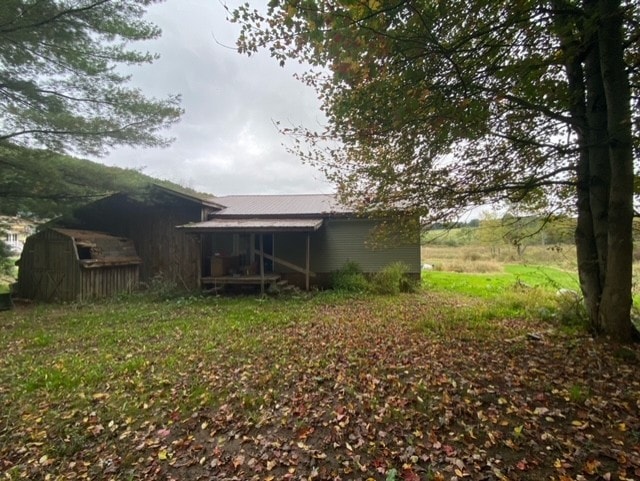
(599, 97)
(615, 316)
(595, 138)
(587, 251)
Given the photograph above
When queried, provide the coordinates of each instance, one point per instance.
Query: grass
(323, 386)
(548, 279)
(230, 387)
(466, 258)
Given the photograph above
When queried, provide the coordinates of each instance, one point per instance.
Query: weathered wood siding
(107, 281)
(165, 251)
(51, 271)
(49, 268)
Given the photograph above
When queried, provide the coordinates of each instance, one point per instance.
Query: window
(12, 238)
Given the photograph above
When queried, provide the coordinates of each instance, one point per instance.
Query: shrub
(392, 280)
(571, 310)
(161, 288)
(350, 278)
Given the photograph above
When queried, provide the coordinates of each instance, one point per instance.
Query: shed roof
(102, 249)
(198, 198)
(255, 225)
(280, 205)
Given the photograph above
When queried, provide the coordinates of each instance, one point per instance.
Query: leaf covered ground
(328, 388)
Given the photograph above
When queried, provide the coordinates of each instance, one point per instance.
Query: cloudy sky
(226, 142)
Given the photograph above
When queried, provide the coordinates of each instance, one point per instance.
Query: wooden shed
(73, 265)
(150, 222)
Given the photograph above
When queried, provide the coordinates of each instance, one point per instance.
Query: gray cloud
(226, 143)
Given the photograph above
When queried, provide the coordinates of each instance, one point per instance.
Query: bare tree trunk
(595, 138)
(587, 251)
(616, 302)
(596, 141)
(599, 96)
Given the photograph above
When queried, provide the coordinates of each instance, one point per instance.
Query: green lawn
(490, 285)
(422, 386)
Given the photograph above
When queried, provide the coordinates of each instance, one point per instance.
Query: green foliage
(7, 264)
(413, 86)
(439, 106)
(350, 278)
(43, 184)
(506, 231)
(392, 280)
(61, 85)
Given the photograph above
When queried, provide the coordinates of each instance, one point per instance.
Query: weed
(578, 393)
(391, 279)
(570, 309)
(350, 278)
(161, 288)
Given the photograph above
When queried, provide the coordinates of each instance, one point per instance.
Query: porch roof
(254, 225)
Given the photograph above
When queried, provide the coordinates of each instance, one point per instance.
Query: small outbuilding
(74, 265)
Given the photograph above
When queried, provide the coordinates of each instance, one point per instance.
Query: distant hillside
(44, 184)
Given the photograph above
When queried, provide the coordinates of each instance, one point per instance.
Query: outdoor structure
(15, 231)
(74, 265)
(150, 221)
(198, 242)
(301, 239)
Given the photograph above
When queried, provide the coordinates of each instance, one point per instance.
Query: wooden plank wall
(165, 251)
(107, 281)
(50, 271)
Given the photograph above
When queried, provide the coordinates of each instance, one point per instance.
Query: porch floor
(241, 280)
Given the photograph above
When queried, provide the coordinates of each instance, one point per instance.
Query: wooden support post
(306, 273)
(262, 264)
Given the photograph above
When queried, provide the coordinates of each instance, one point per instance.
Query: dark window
(84, 252)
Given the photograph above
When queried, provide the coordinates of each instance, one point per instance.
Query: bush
(571, 310)
(392, 280)
(350, 278)
(161, 288)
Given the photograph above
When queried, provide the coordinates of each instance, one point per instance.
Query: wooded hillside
(43, 184)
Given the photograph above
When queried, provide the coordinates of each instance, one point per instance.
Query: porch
(246, 252)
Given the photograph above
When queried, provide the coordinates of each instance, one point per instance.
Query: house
(76, 265)
(15, 231)
(302, 239)
(196, 241)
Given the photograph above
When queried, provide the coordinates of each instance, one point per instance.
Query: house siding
(344, 240)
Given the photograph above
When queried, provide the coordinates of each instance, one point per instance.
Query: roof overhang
(254, 225)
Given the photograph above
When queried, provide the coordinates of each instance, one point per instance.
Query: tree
(436, 106)
(41, 184)
(61, 80)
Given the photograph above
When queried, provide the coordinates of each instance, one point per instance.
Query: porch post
(261, 264)
(306, 270)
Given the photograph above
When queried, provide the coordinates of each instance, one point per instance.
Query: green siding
(335, 243)
(343, 240)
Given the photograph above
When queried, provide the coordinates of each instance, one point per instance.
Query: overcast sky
(226, 142)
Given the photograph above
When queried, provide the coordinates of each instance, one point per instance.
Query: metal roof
(196, 197)
(280, 205)
(255, 225)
